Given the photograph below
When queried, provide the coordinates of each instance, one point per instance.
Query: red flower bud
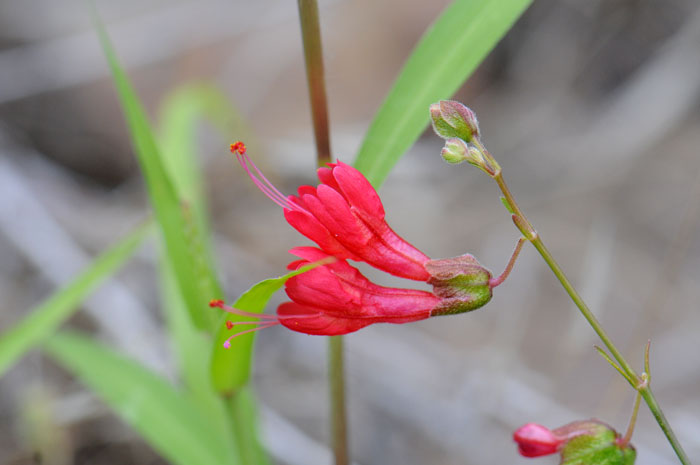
(535, 440)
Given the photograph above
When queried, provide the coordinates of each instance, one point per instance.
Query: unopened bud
(455, 151)
(578, 443)
(536, 440)
(461, 282)
(453, 119)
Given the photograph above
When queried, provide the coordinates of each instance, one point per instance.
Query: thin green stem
(336, 371)
(633, 421)
(531, 234)
(313, 56)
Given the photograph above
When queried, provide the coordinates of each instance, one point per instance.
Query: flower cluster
(344, 216)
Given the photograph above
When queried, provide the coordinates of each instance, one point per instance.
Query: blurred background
(591, 107)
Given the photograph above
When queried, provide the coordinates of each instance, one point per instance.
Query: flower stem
(336, 373)
(313, 56)
(493, 282)
(522, 223)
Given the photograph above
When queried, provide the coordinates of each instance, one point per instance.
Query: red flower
(345, 217)
(337, 299)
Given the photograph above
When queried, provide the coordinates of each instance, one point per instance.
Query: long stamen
(216, 303)
(227, 343)
(259, 178)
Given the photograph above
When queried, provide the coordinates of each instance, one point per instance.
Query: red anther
(214, 303)
(239, 147)
(229, 325)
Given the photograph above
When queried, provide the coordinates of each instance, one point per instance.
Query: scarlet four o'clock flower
(344, 216)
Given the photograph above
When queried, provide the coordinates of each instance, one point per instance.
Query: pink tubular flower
(345, 218)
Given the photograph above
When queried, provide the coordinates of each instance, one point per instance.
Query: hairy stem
(522, 223)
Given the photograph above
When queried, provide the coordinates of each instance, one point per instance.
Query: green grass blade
(179, 117)
(446, 55)
(180, 232)
(43, 320)
(230, 368)
(163, 416)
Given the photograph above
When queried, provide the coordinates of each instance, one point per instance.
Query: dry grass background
(590, 106)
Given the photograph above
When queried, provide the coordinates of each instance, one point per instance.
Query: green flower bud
(453, 119)
(455, 151)
(594, 442)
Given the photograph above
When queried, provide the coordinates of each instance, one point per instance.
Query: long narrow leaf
(180, 231)
(43, 320)
(153, 407)
(444, 58)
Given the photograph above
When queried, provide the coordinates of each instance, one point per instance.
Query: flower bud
(535, 440)
(453, 119)
(455, 151)
(578, 443)
(461, 283)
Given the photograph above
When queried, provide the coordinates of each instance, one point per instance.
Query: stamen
(239, 147)
(218, 303)
(265, 186)
(262, 183)
(227, 343)
(235, 311)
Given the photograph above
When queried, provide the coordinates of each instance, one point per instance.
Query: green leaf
(183, 240)
(160, 413)
(230, 368)
(180, 114)
(446, 55)
(506, 204)
(44, 319)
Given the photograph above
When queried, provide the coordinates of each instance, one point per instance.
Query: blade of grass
(182, 238)
(44, 319)
(446, 55)
(159, 412)
(179, 115)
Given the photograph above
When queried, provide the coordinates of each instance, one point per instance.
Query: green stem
(313, 56)
(531, 234)
(336, 373)
(244, 416)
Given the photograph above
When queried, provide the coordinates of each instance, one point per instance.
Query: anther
(239, 147)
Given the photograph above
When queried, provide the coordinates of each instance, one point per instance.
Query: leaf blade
(179, 230)
(446, 55)
(147, 402)
(47, 316)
